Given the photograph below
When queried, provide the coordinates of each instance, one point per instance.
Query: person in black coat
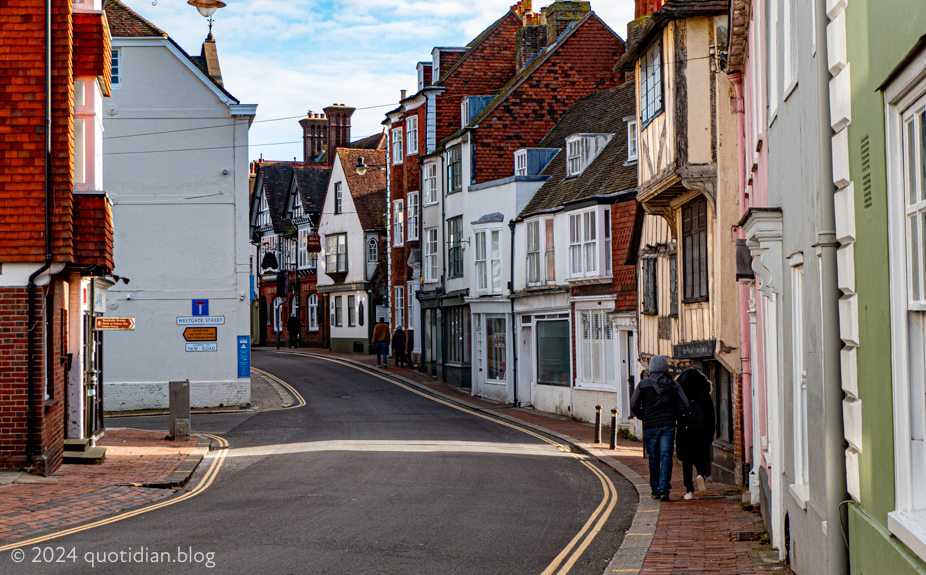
(398, 346)
(293, 326)
(695, 430)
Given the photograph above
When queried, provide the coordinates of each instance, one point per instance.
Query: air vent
(866, 173)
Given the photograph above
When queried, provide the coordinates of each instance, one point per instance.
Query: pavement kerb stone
(181, 476)
(632, 552)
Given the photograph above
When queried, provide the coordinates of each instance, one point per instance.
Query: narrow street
(370, 477)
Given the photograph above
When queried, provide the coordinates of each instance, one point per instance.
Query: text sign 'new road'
(200, 333)
(202, 320)
(115, 324)
(202, 347)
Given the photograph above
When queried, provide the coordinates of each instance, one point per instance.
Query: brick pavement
(76, 494)
(697, 536)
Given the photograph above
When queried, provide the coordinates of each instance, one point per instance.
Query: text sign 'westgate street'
(115, 324)
(202, 320)
(200, 333)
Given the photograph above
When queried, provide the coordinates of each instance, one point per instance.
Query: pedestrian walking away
(659, 402)
(398, 346)
(293, 326)
(695, 430)
(381, 342)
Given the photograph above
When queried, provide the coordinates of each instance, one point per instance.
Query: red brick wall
(93, 230)
(624, 282)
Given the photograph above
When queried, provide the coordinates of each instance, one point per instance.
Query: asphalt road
(367, 477)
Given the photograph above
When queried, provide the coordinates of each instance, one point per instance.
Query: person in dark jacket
(695, 430)
(293, 327)
(398, 346)
(659, 402)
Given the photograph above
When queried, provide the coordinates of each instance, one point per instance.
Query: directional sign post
(114, 324)
(200, 333)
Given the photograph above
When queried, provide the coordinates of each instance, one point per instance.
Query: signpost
(244, 356)
(114, 324)
(200, 333)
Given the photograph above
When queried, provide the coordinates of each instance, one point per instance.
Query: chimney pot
(404, 94)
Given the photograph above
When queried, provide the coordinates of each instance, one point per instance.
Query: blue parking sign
(200, 307)
(244, 356)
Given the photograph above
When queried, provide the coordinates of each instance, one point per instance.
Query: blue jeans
(381, 350)
(659, 442)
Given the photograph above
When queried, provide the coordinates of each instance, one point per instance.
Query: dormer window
(435, 66)
(582, 149)
(520, 163)
(297, 206)
(532, 161)
(420, 77)
(471, 107)
(263, 216)
(632, 141)
(464, 112)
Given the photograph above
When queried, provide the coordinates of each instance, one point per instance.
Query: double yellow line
(296, 395)
(203, 485)
(567, 558)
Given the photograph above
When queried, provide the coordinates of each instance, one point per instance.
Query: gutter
(30, 439)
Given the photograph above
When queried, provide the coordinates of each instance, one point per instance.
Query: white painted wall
(181, 227)
(345, 222)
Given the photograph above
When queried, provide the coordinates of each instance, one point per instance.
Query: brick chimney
(560, 15)
(338, 128)
(645, 7)
(529, 41)
(314, 136)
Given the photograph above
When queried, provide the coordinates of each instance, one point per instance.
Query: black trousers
(293, 339)
(701, 459)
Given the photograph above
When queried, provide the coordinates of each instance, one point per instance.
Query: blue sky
(292, 56)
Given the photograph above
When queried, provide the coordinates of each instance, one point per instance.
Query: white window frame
(789, 48)
(589, 243)
(549, 250)
(464, 112)
(489, 271)
(351, 311)
(480, 262)
(520, 163)
(435, 67)
(800, 488)
(652, 97)
(339, 253)
(311, 312)
(905, 96)
(574, 155)
(372, 251)
(595, 353)
(277, 314)
(115, 59)
(411, 228)
(398, 223)
(773, 61)
(533, 249)
(303, 249)
(263, 215)
(338, 198)
(632, 152)
(398, 302)
(411, 135)
(431, 193)
(397, 146)
(431, 269)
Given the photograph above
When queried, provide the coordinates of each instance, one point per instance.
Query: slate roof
(126, 23)
(374, 142)
(369, 190)
(598, 113)
(312, 183)
(275, 178)
(642, 30)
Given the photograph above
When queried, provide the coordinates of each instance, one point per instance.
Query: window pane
(554, 355)
(922, 146)
(550, 254)
(496, 350)
(911, 160)
(914, 258)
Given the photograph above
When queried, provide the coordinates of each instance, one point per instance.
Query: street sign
(115, 324)
(202, 347)
(200, 307)
(200, 333)
(244, 356)
(202, 320)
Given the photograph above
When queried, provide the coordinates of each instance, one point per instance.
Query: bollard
(613, 429)
(179, 410)
(597, 424)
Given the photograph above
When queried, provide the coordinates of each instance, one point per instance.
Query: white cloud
(291, 56)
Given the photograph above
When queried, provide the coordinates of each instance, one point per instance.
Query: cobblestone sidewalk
(31, 505)
(713, 534)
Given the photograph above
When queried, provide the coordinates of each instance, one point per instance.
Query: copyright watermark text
(140, 555)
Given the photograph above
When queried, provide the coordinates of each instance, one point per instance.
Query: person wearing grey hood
(659, 402)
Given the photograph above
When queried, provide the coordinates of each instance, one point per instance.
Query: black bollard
(613, 429)
(597, 424)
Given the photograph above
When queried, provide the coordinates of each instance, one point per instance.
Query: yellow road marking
(203, 485)
(610, 492)
(299, 400)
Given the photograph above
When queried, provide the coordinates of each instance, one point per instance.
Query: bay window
(590, 243)
(336, 253)
(488, 261)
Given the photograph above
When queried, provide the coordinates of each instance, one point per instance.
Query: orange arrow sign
(200, 334)
(115, 324)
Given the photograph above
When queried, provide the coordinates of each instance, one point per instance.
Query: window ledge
(801, 493)
(589, 280)
(910, 528)
(632, 162)
(582, 386)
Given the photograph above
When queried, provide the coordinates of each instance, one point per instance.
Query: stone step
(93, 455)
(76, 444)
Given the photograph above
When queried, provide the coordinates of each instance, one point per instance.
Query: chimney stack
(560, 15)
(529, 41)
(338, 128)
(404, 94)
(314, 136)
(645, 7)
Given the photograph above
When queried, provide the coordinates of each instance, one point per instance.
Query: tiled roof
(472, 46)
(374, 142)
(642, 30)
(275, 178)
(312, 184)
(369, 190)
(126, 23)
(599, 113)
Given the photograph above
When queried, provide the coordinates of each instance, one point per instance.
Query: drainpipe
(514, 326)
(443, 275)
(837, 554)
(30, 432)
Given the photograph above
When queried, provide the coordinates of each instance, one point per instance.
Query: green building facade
(883, 47)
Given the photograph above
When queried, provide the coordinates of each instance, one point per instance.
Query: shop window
(496, 348)
(554, 353)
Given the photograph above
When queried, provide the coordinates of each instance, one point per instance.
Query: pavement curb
(632, 552)
(181, 476)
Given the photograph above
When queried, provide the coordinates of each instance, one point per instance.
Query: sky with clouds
(292, 56)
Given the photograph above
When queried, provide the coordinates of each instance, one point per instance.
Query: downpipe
(514, 325)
